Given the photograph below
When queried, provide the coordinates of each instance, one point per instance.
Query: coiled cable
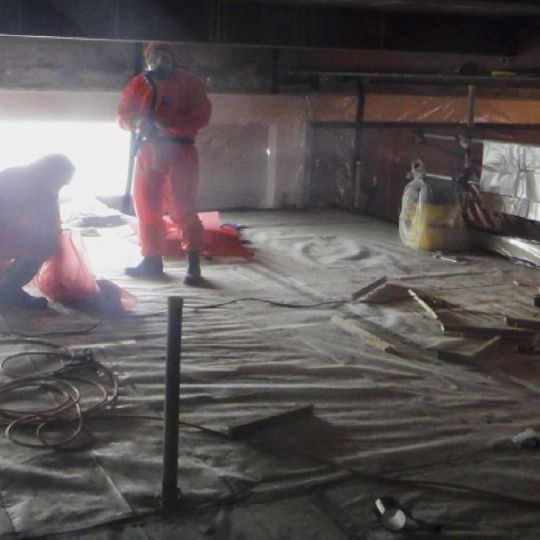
(65, 418)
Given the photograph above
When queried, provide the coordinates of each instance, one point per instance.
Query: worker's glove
(144, 126)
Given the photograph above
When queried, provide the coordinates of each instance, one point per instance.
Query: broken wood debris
(475, 353)
(458, 259)
(524, 331)
(368, 288)
(532, 324)
(423, 304)
(485, 331)
(366, 336)
(530, 345)
(249, 428)
(481, 349)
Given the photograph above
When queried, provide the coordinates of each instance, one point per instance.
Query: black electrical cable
(378, 478)
(271, 302)
(69, 414)
(55, 332)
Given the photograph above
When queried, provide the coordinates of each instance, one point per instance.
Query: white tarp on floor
(407, 425)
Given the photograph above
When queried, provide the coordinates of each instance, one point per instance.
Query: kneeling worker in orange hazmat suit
(166, 106)
(30, 225)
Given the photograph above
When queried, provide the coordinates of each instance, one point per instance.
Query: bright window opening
(99, 151)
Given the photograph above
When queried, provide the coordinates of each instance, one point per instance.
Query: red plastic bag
(67, 278)
(218, 240)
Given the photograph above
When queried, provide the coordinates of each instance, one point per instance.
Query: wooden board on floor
(369, 338)
(475, 353)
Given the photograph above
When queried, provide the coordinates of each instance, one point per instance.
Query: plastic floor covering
(409, 425)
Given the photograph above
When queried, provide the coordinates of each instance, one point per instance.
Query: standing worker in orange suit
(165, 106)
(30, 226)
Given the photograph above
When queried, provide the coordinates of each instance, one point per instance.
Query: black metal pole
(169, 492)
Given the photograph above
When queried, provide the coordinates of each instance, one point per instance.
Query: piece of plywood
(531, 324)
(366, 336)
(471, 355)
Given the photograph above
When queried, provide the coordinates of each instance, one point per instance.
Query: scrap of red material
(219, 240)
(67, 277)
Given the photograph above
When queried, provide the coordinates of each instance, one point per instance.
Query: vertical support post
(169, 492)
(356, 168)
(216, 22)
(274, 71)
(272, 166)
(308, 165)
(468, 133)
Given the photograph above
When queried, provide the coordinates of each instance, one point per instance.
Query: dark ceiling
(488, 27)
(487, 7)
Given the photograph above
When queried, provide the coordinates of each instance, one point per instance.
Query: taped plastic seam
(513, 171)
(512, 206)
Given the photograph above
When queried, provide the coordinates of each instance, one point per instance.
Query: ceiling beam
(267, 24)
(501, 8)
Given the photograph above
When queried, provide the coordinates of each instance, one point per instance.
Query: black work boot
(149, 267)
(16, 276)
(193, 274)
(14, 297)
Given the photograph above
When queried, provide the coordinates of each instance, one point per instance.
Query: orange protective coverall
(167, 172)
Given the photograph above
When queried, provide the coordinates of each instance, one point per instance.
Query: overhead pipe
(425, 78)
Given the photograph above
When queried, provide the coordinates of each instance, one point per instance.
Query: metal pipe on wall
(357, 165)
(468, 133)
(500, 81)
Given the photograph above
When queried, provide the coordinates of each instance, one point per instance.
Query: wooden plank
(530, 345)
(533, 324)
(451, 356)
(486, 331)
(368, 288)
(365, 335)
(245, 430)
(481, 349)
(475, 353)
(423, 304)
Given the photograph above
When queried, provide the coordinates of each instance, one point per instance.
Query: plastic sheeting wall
(386, 152)
(252, 153)
(512, 171)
